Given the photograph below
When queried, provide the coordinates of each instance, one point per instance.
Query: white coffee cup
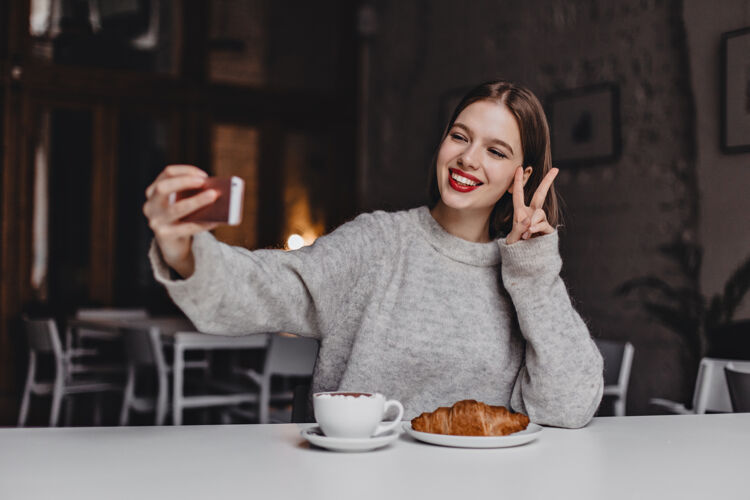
(354, 414)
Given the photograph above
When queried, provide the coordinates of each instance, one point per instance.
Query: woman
(458, 300)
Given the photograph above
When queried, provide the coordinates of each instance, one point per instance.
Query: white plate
(316, 437)
(516, 439)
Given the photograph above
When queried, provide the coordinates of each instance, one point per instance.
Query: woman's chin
(457, 201)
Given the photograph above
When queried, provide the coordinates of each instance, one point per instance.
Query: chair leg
(98, 409)
(23, 413)
(57, 395)
(265, 400)
(178, 365)
(128, 396)
(620, 407)
(224, 417)
(69, 405)
(162, 399)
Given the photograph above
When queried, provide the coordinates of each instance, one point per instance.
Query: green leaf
(714, 313)
(689, 256)
(735, 290)
(646, 282)
(674, 319)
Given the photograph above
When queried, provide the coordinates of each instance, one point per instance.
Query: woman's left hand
(529, 221)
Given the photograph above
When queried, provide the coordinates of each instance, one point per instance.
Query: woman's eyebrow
(498, 141)
(504, 144)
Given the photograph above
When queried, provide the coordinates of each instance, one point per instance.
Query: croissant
(471, 418)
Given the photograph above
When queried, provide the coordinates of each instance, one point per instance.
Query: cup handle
(394, 423)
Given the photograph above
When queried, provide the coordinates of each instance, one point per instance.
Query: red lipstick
(461, 188)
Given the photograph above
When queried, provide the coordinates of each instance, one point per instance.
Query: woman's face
(478, 158)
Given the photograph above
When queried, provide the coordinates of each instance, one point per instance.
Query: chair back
(302, 411)
(738, 382)
(111, 313)
(43, 337)
(108, 313)
(291, 356)
(143, 347)
(618, 360)
(711, 392)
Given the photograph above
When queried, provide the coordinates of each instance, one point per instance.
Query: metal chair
(144, 352)
(111, 313)
(88, 357)
(144, 347)
(43, 339)
(711, 393)
(618, 360)
(216, 390)
(738, 382)
(287, 356)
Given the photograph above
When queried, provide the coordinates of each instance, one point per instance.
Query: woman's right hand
(174, 237)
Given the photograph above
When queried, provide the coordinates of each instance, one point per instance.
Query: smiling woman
(388, 294)
(496, 128)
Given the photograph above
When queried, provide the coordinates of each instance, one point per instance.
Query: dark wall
(619, 213)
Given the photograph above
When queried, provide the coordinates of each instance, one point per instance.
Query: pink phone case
(227, 209)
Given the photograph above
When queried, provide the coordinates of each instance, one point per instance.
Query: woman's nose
(468, 158)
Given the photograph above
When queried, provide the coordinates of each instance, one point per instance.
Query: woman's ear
(526, 175)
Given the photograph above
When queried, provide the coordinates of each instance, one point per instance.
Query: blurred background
(332, 108)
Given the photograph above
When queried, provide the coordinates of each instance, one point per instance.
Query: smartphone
(227, 209)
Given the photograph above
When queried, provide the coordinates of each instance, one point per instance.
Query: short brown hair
(535, 142)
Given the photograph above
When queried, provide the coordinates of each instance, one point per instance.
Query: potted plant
(706, 325)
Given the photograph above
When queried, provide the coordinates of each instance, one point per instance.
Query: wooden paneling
(235, 152)
(17, 38)
(15, 241)
(103, 205)
(270, 202)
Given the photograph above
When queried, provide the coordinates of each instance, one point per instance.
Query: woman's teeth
(463, 180)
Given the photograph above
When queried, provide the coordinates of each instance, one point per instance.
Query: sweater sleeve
(235, 291)
(560, 382)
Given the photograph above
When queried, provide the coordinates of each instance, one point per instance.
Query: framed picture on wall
(735, 91)
(585, 125)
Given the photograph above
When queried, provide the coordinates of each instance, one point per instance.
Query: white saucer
(316, 437)
(516, 439)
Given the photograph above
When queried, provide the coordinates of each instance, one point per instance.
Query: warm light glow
(295, 242)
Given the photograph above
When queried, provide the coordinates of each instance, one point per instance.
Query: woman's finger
(541, 192)
(180, 209)
(518, 201)
(538, 216)
(538, 225)
(173, 232)
(176, 171)
(192, 228)
(165, 187)
(542, 227)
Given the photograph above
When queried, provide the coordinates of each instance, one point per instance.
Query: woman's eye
(497, 153)
(457, 137)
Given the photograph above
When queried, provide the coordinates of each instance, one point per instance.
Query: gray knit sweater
(404, 308)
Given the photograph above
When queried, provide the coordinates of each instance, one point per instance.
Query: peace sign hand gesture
(531, 220)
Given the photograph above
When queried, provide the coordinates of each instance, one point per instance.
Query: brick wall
(618, 213)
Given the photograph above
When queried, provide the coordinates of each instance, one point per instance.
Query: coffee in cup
(354, 414)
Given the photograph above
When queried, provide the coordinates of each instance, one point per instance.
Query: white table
(178, 333)
(686, 457)
(109, 328)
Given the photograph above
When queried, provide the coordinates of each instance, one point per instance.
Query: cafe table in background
(179, 334)
(686, 457)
